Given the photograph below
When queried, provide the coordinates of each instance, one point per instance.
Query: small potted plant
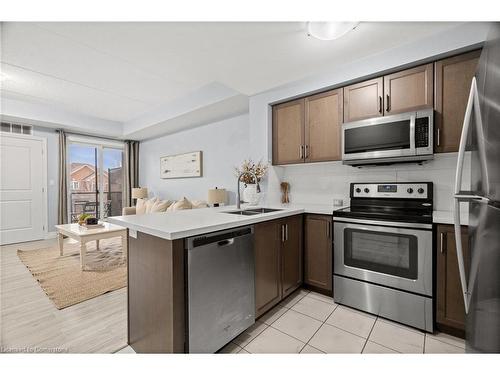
(252, 187)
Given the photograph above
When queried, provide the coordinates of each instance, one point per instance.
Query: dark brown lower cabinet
(291, 255)
(450, 310)
(267, 266)
(318, 246)
(278, 261)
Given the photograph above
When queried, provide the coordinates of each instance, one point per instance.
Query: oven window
(390, 136)
(390, 253)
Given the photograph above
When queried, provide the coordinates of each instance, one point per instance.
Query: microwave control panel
(422, 132)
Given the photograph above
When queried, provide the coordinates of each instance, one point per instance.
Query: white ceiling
(122, 71)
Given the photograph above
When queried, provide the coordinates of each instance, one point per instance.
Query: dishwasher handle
(226, 242)
(222, 238)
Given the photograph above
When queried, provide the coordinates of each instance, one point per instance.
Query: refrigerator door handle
(460, 254)
(458, 185)
(463, 137)
(472, 104)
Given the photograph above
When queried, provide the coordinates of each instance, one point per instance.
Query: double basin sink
(253, 211)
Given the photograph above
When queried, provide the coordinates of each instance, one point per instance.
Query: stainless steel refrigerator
(480, 270)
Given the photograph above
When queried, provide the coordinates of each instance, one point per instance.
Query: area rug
(62, 279)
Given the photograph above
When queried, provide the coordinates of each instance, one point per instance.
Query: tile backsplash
(319, 183)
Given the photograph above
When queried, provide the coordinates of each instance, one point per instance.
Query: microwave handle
(412, 133)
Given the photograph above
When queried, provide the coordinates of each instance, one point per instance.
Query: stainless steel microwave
(405, 137)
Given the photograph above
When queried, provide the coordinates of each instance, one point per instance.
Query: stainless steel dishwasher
(221, 294)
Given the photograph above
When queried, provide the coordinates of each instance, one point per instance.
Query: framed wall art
(181, 165)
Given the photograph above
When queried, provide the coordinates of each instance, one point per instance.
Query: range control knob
(409, 190)
(420, 191)
(367, 190)
(358, 190)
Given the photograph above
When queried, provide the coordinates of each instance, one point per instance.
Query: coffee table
(84, 235)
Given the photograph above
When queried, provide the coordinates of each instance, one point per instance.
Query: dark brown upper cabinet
(288, 132)
(453, 77)
(403, 91)
(323, 122)
(278, 261)
(450, 310)
(318, 246)
(363, 100)
(409, 90)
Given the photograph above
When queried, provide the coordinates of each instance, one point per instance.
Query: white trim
(95, 141)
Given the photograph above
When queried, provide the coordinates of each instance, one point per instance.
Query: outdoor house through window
(95, 177)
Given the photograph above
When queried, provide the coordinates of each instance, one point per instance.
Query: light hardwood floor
(30, 322)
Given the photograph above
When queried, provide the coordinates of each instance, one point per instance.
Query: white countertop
(446, 217)
(186, 223)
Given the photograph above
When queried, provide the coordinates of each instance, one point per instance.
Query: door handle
(380, 104)
(387, 103)
(306, 151)
(301, 152)
(441, 240)
(438, 143)
(286, 232)
(282, 233)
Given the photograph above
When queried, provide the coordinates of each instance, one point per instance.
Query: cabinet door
(318, 269)
(453, 81)
(323, 125)
(288, 132)
(450, 310)
(409, 90)
(363, 100)
(267, 266)
(291, 255)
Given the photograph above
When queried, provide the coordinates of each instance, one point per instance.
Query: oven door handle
(383, 223)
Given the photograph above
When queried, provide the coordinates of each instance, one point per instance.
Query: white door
(22, 195)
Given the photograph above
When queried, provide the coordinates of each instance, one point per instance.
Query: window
(95, 177)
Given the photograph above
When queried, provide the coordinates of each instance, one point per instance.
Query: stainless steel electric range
(383, 252)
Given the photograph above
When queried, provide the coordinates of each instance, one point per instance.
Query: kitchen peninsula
(158, 267)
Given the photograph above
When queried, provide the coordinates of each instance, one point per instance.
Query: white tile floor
(311, 323)
(308, 322)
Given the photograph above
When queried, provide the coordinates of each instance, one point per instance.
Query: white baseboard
(50, 235)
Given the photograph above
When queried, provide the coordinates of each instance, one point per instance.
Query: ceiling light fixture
(329, 30)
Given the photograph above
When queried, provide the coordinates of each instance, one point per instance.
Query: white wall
(224, 145)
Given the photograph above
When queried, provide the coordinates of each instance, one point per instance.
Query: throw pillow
(150, 203)
(161, 206)
(183, 204)
(140, 206)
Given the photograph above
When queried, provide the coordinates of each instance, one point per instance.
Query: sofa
(145, 206)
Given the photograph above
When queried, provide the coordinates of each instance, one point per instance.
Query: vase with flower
(251, 192)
